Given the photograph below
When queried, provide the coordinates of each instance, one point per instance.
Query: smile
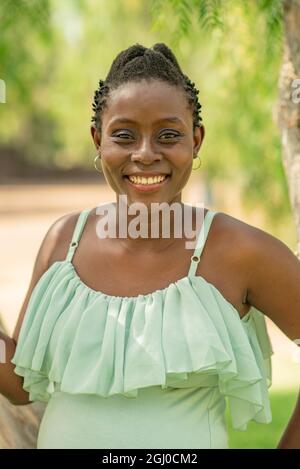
(147, 183)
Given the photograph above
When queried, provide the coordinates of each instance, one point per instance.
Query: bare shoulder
(59, 236)
(249, 248)
(248, 238)
(54, 247)
(271, 271)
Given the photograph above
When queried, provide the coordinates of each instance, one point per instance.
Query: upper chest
(106, 266)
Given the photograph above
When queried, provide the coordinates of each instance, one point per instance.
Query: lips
(147, 181)
(147, 174)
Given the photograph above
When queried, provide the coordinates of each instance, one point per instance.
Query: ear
(96, 136)
(199, 134)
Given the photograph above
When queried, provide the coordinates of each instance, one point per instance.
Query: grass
(265, 436)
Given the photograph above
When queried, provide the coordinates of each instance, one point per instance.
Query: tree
(282, 27)
(289, 108)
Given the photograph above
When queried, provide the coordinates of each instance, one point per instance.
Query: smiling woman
(155, 138)
(133, 342)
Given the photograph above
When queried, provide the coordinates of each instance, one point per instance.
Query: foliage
(53, 53)
(241, 52)
(27, 57)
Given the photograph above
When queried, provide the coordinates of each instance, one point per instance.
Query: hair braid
(137, 63)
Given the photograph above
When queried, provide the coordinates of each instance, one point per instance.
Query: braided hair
(137, 63)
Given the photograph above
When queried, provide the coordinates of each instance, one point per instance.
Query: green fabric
(115, 369)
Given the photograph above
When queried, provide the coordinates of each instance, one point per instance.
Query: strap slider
(195, 258)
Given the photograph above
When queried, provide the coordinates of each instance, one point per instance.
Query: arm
(291, 435)
(54, 244)
(274, 289)
(10, 383)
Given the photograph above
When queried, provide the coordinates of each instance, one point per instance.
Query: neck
(156, 227)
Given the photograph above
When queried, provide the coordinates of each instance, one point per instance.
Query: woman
(131, 341)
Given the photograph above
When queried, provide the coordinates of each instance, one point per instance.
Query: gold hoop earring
(95, 163)
(200, 161)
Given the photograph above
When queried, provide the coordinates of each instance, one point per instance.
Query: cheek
(182, 162)
(182, 167)
(113, 182)
(115, 156)
(111, 166)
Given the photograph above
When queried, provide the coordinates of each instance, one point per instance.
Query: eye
(123, 135)
(168, 135)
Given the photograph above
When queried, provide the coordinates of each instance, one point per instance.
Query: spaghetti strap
(81, 221)
(195, 258)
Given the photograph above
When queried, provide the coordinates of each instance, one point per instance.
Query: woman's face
(147, 132)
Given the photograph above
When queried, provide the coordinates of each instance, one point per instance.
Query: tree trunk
(19, 424)
(289, 106)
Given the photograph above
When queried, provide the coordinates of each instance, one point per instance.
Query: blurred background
(52, 55)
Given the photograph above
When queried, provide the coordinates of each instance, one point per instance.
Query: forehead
(147, 100)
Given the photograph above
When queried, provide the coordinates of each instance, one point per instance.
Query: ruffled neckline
(80, 340)
(182, 280)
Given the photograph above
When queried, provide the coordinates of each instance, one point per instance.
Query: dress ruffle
(185, 335)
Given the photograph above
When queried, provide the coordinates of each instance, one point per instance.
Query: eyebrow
(123, 120)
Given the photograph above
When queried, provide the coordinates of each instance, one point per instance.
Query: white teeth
(143, 180)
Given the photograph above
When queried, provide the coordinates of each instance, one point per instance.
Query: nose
(146, 153)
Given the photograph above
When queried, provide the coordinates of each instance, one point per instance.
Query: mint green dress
(150, 371)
